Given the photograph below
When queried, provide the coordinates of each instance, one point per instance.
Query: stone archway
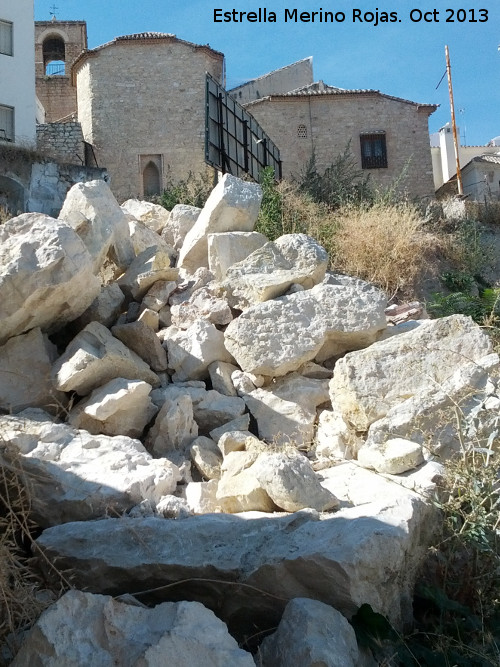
(12, 196)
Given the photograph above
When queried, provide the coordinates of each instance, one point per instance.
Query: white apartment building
(18, 106)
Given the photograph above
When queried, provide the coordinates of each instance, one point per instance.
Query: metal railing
(234, 141)
(55, 70)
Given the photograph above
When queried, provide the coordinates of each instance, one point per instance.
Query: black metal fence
(234, 141)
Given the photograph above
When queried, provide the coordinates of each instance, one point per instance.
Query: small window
(6, 123)
(302, 131)
(373, 151)
(6, 30)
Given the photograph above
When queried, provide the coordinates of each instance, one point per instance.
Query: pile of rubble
(205, 415)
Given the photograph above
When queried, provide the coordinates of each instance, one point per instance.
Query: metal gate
(234, 141)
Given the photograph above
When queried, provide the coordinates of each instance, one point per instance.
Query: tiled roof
(142, 37)
(491, 158)
(320, 88)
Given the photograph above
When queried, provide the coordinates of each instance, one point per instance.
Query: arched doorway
(151, 180)
(54, 56)
(12, 196)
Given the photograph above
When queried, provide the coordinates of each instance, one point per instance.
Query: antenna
(453, 123)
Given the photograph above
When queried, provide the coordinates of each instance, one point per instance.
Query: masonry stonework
(63, 141)
(323, 124)
(144, 95)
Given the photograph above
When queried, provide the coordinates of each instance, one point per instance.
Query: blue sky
(403, 58)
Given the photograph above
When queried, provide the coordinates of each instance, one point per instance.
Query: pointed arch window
(151, 180)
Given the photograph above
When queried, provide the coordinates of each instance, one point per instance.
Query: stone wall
(324, 124)
(281, 80)
(30, 182)
(58, 97)
(63, 141)
(145, 97)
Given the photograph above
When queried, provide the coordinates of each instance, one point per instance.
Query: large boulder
(154, 216)
(293, 259)
(366, 552)
(276, 337)
(233, 205)
(86, 629)
(93, 212)
(365, 386)
(149, 266)
(25, 373)
(93, 358)
(181, 219)
(46, 277)
(73, 475)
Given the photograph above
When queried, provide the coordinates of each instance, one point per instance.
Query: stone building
(57, 44)
(388, 135)
(282, 80)
(141, 104)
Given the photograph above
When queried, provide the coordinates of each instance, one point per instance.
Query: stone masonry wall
(63, 141)
(145, 98)
(58, 97)
(331, 121)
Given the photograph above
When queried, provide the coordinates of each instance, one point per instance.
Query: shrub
(193, 191)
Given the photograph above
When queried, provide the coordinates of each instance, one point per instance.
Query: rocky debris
(276, 337)
(220, 373)
(86, 629)
(362, 554)
(142, 238)
(25, 373)
(158, 294)
(120, 407)
(93, 212)
(233, 205)
(185, 290)
(239, 424)
(191, 352)
(105, 308)
(310, 633)
(206, 456)
(293, 259)
(238, 441)
(180, 221)
(207, 304)
(174, 427)
(226, 249)
(154, 216)
(142, 339)
(93, 358)
(149, 266)
(365, 387)
(46, 277)
(405, 312)
(73, 475)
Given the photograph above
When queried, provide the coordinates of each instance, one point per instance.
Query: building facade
(387, 136)
(17, 73)
(141, 104)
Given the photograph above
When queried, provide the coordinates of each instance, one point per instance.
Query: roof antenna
(53, 12)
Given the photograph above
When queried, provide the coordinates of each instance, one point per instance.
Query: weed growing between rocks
(193, 191)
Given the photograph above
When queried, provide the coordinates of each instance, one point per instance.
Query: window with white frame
(6, 123)
(6, 41)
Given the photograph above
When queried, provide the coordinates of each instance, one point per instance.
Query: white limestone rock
(369, 551)
(239, 424)
(207, 303)
(190, 284)
(158, 294)
(86, 629)
(149, 266)
(46, 277)
(142, 339)
(142, 238)
(293, 259)
(239, 441)
(93, 358)
(276, 337)
(181, 219)
(220, 375)
(154, 216)
(365, 387)
(25, 373)
(151, 319)
(238, 489)
(206, 457)
(310, 633)
(201, 497)
(228, 248)
(174, 427)
(244, 383)
(93, 212)
(74, 476)
(396, 455)
(233, 205)
(191, 352)
(105, 308)
(120, 407)
(291, 483)
(334, 439)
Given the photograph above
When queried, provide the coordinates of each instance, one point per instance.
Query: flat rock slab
(366, 554)
(277, 337)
